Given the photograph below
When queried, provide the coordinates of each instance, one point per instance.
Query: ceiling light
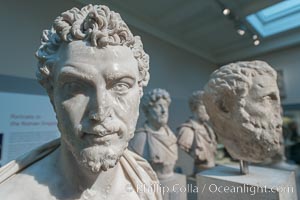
(241, 31)
(254, 37)
(256, 42)
(226, 11)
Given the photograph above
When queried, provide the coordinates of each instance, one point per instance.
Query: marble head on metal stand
(242, 100)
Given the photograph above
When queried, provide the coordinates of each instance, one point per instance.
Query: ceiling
(199, 26)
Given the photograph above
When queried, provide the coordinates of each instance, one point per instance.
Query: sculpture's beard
(201, 114)
(202, 117)
(97, 158)
(263, 137)
(162, 120)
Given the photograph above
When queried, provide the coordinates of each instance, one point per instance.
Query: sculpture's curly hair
(154, 95)
(235, 78)
(97, 25)
(196, 100)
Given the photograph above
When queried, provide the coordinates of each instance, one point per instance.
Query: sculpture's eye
(73, 88)
(120, 87)
(271, 97)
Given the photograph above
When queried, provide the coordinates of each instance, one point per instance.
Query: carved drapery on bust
(94, 71)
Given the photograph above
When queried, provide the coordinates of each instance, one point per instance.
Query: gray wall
(22, 23)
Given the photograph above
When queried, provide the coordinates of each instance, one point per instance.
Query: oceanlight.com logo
(247, 189)
(211, 188)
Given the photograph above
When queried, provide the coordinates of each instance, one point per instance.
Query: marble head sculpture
(155, 141)
(155, 105)
(196, 137)
(94, 71)
(197, 106)
(242, 100)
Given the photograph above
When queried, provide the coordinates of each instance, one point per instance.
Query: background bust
(196, 137)
(155, 141)
(242, 100)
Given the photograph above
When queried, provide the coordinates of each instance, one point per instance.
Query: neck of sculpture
(197, 119)
(155, 126)
(80, 178)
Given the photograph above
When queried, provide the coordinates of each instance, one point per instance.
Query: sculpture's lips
(96, 138)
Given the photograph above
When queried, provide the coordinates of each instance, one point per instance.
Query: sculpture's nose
(162, 109)
(99, 107)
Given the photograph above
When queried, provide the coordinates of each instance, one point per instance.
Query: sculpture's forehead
(264, 84)
(82, 51)
(161, 101)
(113, 60)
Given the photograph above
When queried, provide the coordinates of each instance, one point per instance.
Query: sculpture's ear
(141, 91)
(225, 102)
(50, 94)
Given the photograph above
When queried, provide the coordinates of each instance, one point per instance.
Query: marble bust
(242, 100)
(196, 137)
(155, 141)
(94, 71)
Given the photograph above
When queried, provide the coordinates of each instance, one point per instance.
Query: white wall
(289, 61)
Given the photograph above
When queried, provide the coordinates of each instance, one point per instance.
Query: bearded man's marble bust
(155, 141)
(242, 100)
(94, 71)
(196, 136)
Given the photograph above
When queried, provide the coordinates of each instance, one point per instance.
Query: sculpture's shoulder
(140, 136)
(172, 139)
(141, 175)
(187, 128)
(27, 184)
(140, 132)
(15, 188)
(190, 123)
(144, 165)
(138, 142)
(28, 177)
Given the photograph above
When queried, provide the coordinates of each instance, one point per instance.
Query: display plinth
(174, 188)
(226, 182)
(192, 183)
